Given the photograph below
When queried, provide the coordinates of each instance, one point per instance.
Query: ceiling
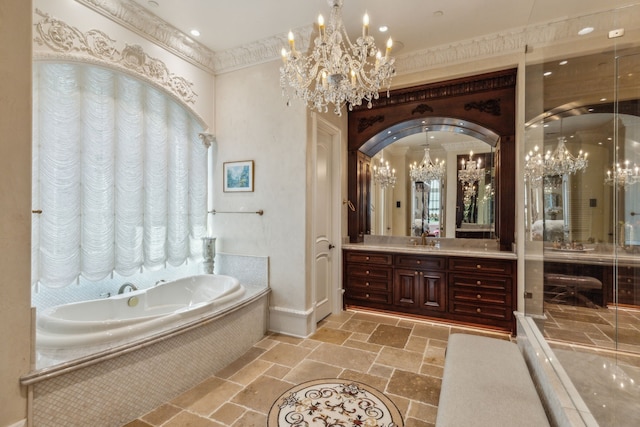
(414, 25)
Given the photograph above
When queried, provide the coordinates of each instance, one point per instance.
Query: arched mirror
(438, 182)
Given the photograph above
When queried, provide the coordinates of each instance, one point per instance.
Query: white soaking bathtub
(133, 315)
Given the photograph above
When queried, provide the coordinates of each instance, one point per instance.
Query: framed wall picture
(238, 176)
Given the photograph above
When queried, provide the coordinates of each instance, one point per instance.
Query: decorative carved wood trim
(366, 122)
(491, 106)
(421, 109)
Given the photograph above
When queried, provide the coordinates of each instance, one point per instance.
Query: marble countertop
(479, 248)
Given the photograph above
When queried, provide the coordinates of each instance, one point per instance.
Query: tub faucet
(124, 287)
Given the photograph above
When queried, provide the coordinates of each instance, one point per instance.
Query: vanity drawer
(369, 257)
(499, 312)
(481, 283)
(366, 284)
(364, 295)
(484, 296)
(369, 272)
(421, 262)
(481, 265)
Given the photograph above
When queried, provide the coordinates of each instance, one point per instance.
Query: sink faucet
(124, 287)
(423, 236)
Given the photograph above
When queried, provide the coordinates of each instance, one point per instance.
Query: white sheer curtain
(119, 174)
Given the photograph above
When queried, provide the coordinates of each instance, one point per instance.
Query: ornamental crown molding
(514, 41)
(134, 17)
(96, 47)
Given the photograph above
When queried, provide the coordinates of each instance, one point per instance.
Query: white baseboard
(291, 322)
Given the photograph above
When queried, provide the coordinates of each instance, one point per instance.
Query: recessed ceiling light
(383, 29)
(563, 62)
(547, 73)
(603, 99)
(585, 30)
(195, 33)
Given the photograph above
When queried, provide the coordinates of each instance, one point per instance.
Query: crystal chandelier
(534, 167)
(562, 162)
(384, 175)
(470, 173)
(337, 71)
(623, 176)
(427, 170)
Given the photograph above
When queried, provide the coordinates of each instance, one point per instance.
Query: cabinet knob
(415, 273)
(479, 282)
(478, 266)
(367, 295)
(367, 272)
(366, 284)
(419, 262)
(478, 310)
(367, 258)
(479, 296)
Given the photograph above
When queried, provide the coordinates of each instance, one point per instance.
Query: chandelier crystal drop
(336, 71)
(623, 176)
(384, 175)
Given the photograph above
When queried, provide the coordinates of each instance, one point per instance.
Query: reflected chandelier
(336, 71)
(427, 170)
(471, 171)
(384, 175)
(623, 176)
(560, 162)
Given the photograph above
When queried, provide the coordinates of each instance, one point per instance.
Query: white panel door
(323, 226)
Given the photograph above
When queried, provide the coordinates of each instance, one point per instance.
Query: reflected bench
(486, 382)
(559, 288)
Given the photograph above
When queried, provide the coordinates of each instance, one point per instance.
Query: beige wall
(15, 199)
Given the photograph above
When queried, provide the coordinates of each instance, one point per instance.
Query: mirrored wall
(581, 166)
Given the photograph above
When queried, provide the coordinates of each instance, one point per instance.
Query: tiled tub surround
(113, 386)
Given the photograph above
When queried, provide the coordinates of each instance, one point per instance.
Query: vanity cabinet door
(424, 291)
(433, 291)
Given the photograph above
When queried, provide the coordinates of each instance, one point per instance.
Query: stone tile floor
(604, 328)
(402, 357)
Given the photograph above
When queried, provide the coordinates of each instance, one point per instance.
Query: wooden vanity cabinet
(482, 289)
(368, 279)
(475, 291)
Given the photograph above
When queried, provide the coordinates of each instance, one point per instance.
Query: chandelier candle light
(337, 71)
